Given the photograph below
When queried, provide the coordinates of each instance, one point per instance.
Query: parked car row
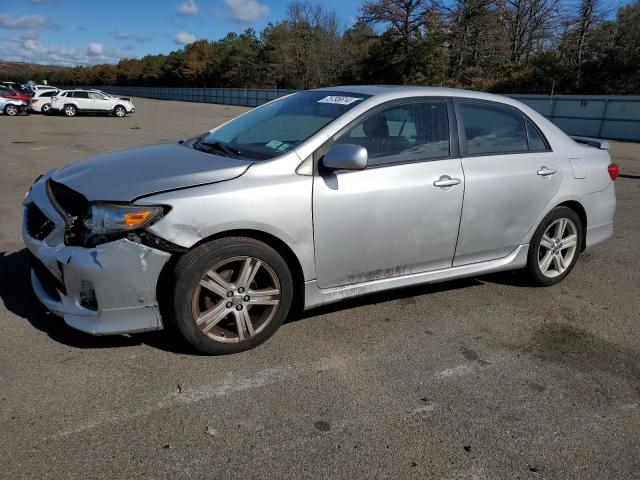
(46, 99)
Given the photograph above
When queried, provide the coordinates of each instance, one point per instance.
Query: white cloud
(246, 11)
(184, 38)
(26, 48)
(95, 49)
(26, 22)
(188, 8)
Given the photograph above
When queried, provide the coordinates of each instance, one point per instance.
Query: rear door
(82, 101)
(400, 215)
(511, 175)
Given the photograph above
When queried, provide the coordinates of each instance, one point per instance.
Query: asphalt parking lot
(483, 378)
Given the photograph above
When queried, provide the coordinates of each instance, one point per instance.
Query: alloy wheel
(11, 110)
(120, 112)
(236, 299)
(70, 111)
(45, 108)
(557, 247)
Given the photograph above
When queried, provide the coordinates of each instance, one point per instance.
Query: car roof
(402, 91)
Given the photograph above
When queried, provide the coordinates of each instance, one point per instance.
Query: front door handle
(446, 181)
(546, 171)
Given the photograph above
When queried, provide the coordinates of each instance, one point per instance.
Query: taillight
(614, 171)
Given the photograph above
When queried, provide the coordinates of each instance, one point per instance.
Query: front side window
(96, 96)
(279, 126)
(403, 133)
(491, 129)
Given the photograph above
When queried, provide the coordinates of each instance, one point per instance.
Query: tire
(555, 247)
(70, 110)
(45, 109)
(11, 110)
(233, 314)
(119, 111)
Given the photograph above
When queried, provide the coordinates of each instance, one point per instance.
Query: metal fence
(246, 97)
(613, 117)
(601, 116)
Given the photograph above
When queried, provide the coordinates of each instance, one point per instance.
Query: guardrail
(613, 117)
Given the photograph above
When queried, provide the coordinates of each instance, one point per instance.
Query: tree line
(532, 46)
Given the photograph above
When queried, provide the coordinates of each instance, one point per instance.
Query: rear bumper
(600, 208)
(599, 234)
(108, 289)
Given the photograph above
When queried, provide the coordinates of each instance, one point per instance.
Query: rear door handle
(446, 181)
(546, 171)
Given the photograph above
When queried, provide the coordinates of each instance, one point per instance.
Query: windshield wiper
(230, 152)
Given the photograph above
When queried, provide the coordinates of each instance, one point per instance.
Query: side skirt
(315, 296)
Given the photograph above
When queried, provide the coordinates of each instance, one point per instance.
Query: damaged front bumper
(108, 289)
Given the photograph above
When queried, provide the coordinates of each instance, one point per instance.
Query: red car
(7, 92)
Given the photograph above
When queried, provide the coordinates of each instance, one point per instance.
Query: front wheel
(119, 111)
(11, 110)
(555, 247)
(230, 295)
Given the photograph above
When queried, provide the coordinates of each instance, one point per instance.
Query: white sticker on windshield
(339, 100)
(273, 144)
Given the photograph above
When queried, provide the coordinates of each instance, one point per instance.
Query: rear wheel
(46, 108)
(555, 247)
(230, 295)
(119, 111)
(70, 110)
(11, 110)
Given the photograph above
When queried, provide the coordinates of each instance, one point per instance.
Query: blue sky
(75, 32)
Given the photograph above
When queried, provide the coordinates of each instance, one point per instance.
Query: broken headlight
(111, 218)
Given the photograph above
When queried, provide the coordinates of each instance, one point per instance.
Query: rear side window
(403, 133)
(493, 129)
(80, 95)
(537, 143)
(48, 94)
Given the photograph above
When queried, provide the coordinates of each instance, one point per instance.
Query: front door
(400, 215)
(99, 102)
(511, 175)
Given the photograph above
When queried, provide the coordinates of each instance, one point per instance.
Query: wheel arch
(281, 247)
(582, 213)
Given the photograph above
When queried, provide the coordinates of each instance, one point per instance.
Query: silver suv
(315, 197)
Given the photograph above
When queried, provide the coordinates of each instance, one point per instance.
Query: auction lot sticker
(339, 100)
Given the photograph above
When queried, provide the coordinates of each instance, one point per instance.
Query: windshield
(279, 126)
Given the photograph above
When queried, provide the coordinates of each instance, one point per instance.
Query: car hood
(125, 175)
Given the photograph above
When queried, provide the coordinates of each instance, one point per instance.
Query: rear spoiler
(592, 142)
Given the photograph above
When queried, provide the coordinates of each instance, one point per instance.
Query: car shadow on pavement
(19, 299)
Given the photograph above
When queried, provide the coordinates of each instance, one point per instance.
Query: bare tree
(529, 25)
(405, 20)
(590, 15)
(475, 36)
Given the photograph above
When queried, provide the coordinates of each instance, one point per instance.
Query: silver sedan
(312, 198)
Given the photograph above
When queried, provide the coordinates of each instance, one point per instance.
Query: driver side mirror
(346, 157)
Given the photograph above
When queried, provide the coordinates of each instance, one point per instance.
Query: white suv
(72, 102)
(41, 100)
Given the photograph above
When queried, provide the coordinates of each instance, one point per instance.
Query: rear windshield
(279, 126)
